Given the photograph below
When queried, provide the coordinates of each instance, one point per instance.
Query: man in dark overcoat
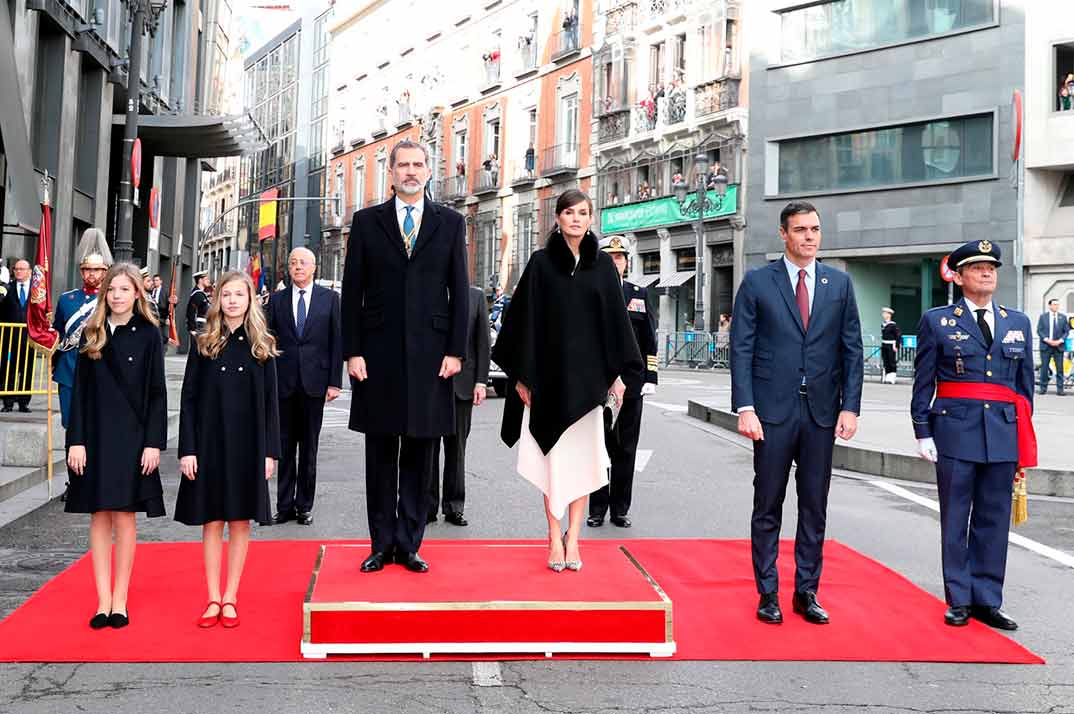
(404, 312)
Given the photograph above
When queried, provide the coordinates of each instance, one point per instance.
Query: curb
(1040, 482)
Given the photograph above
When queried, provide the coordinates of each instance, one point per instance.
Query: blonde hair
(212, 341)
(96, 331)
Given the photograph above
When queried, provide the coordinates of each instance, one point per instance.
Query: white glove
(647, 389)
(927, 449)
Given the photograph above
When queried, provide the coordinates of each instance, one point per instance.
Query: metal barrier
(23, 369)
(874, 365)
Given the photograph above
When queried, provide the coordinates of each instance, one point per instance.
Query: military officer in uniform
(72, 309)
(971, 408)
(889, 344)
(197, 307)
(622, 441)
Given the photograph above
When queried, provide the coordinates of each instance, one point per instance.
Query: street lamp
(145, 17)
(697, 206)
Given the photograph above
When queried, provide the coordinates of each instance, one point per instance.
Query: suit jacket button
(987, 405)
(223, 369)
(134, 329)
(240, 338)
(988, 357)
(943, 411)
(988, 373)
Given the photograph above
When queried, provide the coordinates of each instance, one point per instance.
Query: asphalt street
(696, 481)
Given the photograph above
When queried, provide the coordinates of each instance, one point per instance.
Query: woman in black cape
(565, 345)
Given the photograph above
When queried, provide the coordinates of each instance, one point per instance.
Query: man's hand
(749, 425)
(523, 393)
(356, 368)
(450, 367)
(647, 389)
(173, 299)
(926, 448)
(188, 466)
(332, 394)
(480, 392)
(270, 467)
(847, 426)
(76, 459)
(150, 460)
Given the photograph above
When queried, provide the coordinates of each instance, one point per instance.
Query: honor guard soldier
(889, 344)
(197, 307)
(971, 409)
(72, 309)
(622, 441)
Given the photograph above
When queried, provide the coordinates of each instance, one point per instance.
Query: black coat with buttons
(119, 407)
(229, 419)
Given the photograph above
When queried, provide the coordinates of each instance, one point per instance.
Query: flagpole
(48, 378)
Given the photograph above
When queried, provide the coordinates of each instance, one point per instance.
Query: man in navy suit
(971, 409)
(405, 306)
(309, 370)
(19, 365)
(796, 380)
(1052, 329)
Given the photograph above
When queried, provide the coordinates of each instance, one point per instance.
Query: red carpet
(877, 615)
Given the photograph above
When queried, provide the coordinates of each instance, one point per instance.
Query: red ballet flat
(226, 621)
(207, 622)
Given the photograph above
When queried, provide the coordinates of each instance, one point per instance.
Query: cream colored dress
(576, 466)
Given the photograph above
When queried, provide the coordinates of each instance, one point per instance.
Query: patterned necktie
(985, 329)
(409, 232)
(22, 294)
(300, 322)
(801, 295)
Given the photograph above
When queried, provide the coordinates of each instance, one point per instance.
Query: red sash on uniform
(1027, 437)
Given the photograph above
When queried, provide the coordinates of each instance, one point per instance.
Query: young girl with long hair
(229, 437)
(117, 428)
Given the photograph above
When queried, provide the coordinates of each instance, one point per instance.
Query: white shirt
(294, 300)
(1051, 325)
(810, 279)
(400, 213)
(990, 316)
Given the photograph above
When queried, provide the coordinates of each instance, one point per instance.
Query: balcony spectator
(570, 29)
(1064, 99)
(531, 160)
(710, 177)
(460, 177)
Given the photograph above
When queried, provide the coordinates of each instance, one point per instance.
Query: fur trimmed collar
(563, 258)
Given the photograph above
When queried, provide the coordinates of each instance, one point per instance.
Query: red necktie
(801, 295)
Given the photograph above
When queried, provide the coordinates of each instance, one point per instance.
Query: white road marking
(667, 407)
(487, 674)
(642, 460)
(1020, 540)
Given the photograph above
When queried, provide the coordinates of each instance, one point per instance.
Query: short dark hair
(572, 197)
(1053, 300)
(795, 208)
(406, 144)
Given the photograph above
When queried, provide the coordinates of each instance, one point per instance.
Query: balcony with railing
(613, 125)
(525, 171)
(527, 54)
(646, 114)
(716, 96)
(404, 114)
(451, 189)
(622, 19)
(487, 181)
(566, 42)
(663, 10)
(674, 109)
(559, 159)
(492, 71)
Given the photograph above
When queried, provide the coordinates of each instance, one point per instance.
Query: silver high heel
(574, 565)
(556, 566)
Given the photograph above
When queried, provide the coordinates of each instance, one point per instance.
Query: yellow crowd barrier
(26, 371)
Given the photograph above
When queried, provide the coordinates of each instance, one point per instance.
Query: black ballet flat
(99, 621)
(118, 620)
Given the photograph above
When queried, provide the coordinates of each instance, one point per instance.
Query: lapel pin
(824, 281)
(1002, 312)
(943, 322)
(958, 312)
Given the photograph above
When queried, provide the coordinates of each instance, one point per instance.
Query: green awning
(660, 212)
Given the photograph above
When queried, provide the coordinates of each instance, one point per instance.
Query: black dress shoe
(376, 561)
(806, 605)
(957, 616)
(7, 408)
(431, 518)
(99, 621)
(118, 620)
(283, 517)
(456, 519)
(594, 521)
(304, 519)
(412, 562)
(768, 609)
(24, 409)
(621, 521)
(993, 617)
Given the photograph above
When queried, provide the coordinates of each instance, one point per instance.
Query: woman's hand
(270, 467)
(523, 393)
(150, 460)
(618, 389)
(76, 459)
(188, 466)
